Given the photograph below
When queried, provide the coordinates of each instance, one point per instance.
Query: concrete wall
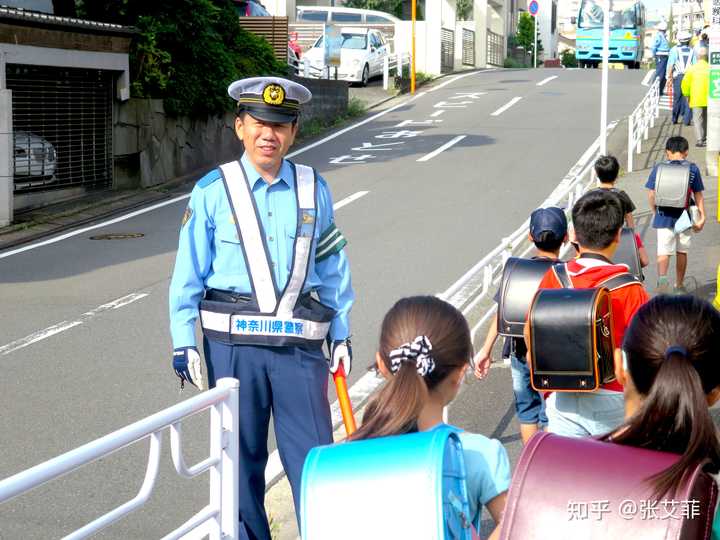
(152, 147)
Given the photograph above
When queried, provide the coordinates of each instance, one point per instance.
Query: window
(313, 16)
(354, 41)
(377, 19)
(347, 17)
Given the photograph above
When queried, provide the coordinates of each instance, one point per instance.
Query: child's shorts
(669, 242)
(529, 404)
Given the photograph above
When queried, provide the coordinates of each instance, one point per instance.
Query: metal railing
(219, 519)
(641, 120)
(394, 61)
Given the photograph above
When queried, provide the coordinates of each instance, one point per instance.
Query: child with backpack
(670, 374)
(598, 219)
(425, 349)
(607, 169)
(677, 175)
(548, 231)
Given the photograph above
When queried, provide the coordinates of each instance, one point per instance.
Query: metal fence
(447, 50)
(468, 47)
(641, 120)
(218, 520)
(494, 48)
(62, 123)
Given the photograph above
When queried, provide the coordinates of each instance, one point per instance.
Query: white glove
(341, 351)
(188, 366)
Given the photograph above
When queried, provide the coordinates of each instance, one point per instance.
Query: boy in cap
(597, 219)
(548, 231)
(258, 238)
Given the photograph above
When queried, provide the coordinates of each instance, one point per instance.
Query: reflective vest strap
(305, 183)
(248, 226)
(683, 61)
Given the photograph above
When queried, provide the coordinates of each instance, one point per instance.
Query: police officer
(660, 49)
(680, 58)
(261, 262)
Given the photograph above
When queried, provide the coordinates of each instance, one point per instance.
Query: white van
(342, 15)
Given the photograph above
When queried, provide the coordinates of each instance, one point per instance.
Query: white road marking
(545, 81)
(444, 147)
(65, 325)
(437, 113)
(347, 200)
(646, 80)
(453, 79)
(505, 107)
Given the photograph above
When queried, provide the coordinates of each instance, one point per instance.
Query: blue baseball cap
(551, 219)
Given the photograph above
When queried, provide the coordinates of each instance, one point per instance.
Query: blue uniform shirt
(677, 52)
(210, 256)
(660, 45)
(665, 216)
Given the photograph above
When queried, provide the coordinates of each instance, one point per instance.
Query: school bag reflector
(571, 488)
(405, 486)
(672, 184)
(520, 281)
(627, 253)
(571, 340)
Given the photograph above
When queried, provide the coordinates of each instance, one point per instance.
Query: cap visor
(276, 117)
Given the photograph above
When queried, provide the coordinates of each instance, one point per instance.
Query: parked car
(362, 54)
(35, 157)
(343, 15)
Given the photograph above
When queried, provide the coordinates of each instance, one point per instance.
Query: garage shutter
(62, 123)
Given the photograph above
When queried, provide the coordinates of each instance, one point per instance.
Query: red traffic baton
(344, 400)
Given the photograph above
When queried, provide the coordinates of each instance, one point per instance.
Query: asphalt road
(424, 220)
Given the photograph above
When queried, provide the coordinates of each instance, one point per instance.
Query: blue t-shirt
(665, 217)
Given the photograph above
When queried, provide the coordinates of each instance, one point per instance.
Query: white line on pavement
(505, 107)
(65, 325)
(437, 113)
(347, 200)
(453, 79)
(444, 147)
(545, 81)
(646, 80)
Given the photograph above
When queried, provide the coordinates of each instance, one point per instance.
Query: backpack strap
(620, 280)
(561, 274)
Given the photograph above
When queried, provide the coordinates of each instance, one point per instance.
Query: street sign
(715, 84)
(533, 8)
(715, 58)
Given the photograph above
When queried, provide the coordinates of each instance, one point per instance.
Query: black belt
(218, 295)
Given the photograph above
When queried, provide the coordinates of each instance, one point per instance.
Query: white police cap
(272, 99)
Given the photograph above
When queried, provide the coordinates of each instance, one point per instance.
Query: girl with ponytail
(670, 369)
(424, 351)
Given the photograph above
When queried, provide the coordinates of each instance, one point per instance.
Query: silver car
(35, 157)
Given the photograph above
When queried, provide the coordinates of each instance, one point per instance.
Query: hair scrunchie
(673, 349)
(418, 352)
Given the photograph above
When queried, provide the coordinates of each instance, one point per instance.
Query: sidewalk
(704, 255)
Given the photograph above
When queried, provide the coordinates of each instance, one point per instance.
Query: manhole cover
(117, 236)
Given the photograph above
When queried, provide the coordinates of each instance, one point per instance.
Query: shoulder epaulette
(209, 178)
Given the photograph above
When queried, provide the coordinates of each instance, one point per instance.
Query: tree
(186, 52)
(394, 7)
(464, 10)
(525, 36)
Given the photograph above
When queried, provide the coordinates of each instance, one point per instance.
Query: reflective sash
(275, 318)
(683, 61)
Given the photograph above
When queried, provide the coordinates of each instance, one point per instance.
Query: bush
(402, 84)
(512, 63)
(568, 59)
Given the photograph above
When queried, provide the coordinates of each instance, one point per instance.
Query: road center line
(347, 200)
(65, 325)
(545, 81)
(444, 147)
(437, 113)
(505, 107)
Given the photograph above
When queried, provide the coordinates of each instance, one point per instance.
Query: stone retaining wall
(151, 147)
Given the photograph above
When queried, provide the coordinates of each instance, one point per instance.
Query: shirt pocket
(229, 260)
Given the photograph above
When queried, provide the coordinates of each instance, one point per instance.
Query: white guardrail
(219, 519)
(394, 61)
(641, 120)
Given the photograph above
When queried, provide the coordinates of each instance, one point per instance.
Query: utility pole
(604, 84)
(412, 53)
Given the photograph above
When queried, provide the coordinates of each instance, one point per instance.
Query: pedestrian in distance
(669, 370)
(680, 59)
(670, 242)
(261, 262)
(598, 219)
(425, 349)
(607, 170)
(548, 232)
(660, 50)
(695, 86)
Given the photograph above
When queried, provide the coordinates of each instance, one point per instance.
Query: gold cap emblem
(273, 94)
